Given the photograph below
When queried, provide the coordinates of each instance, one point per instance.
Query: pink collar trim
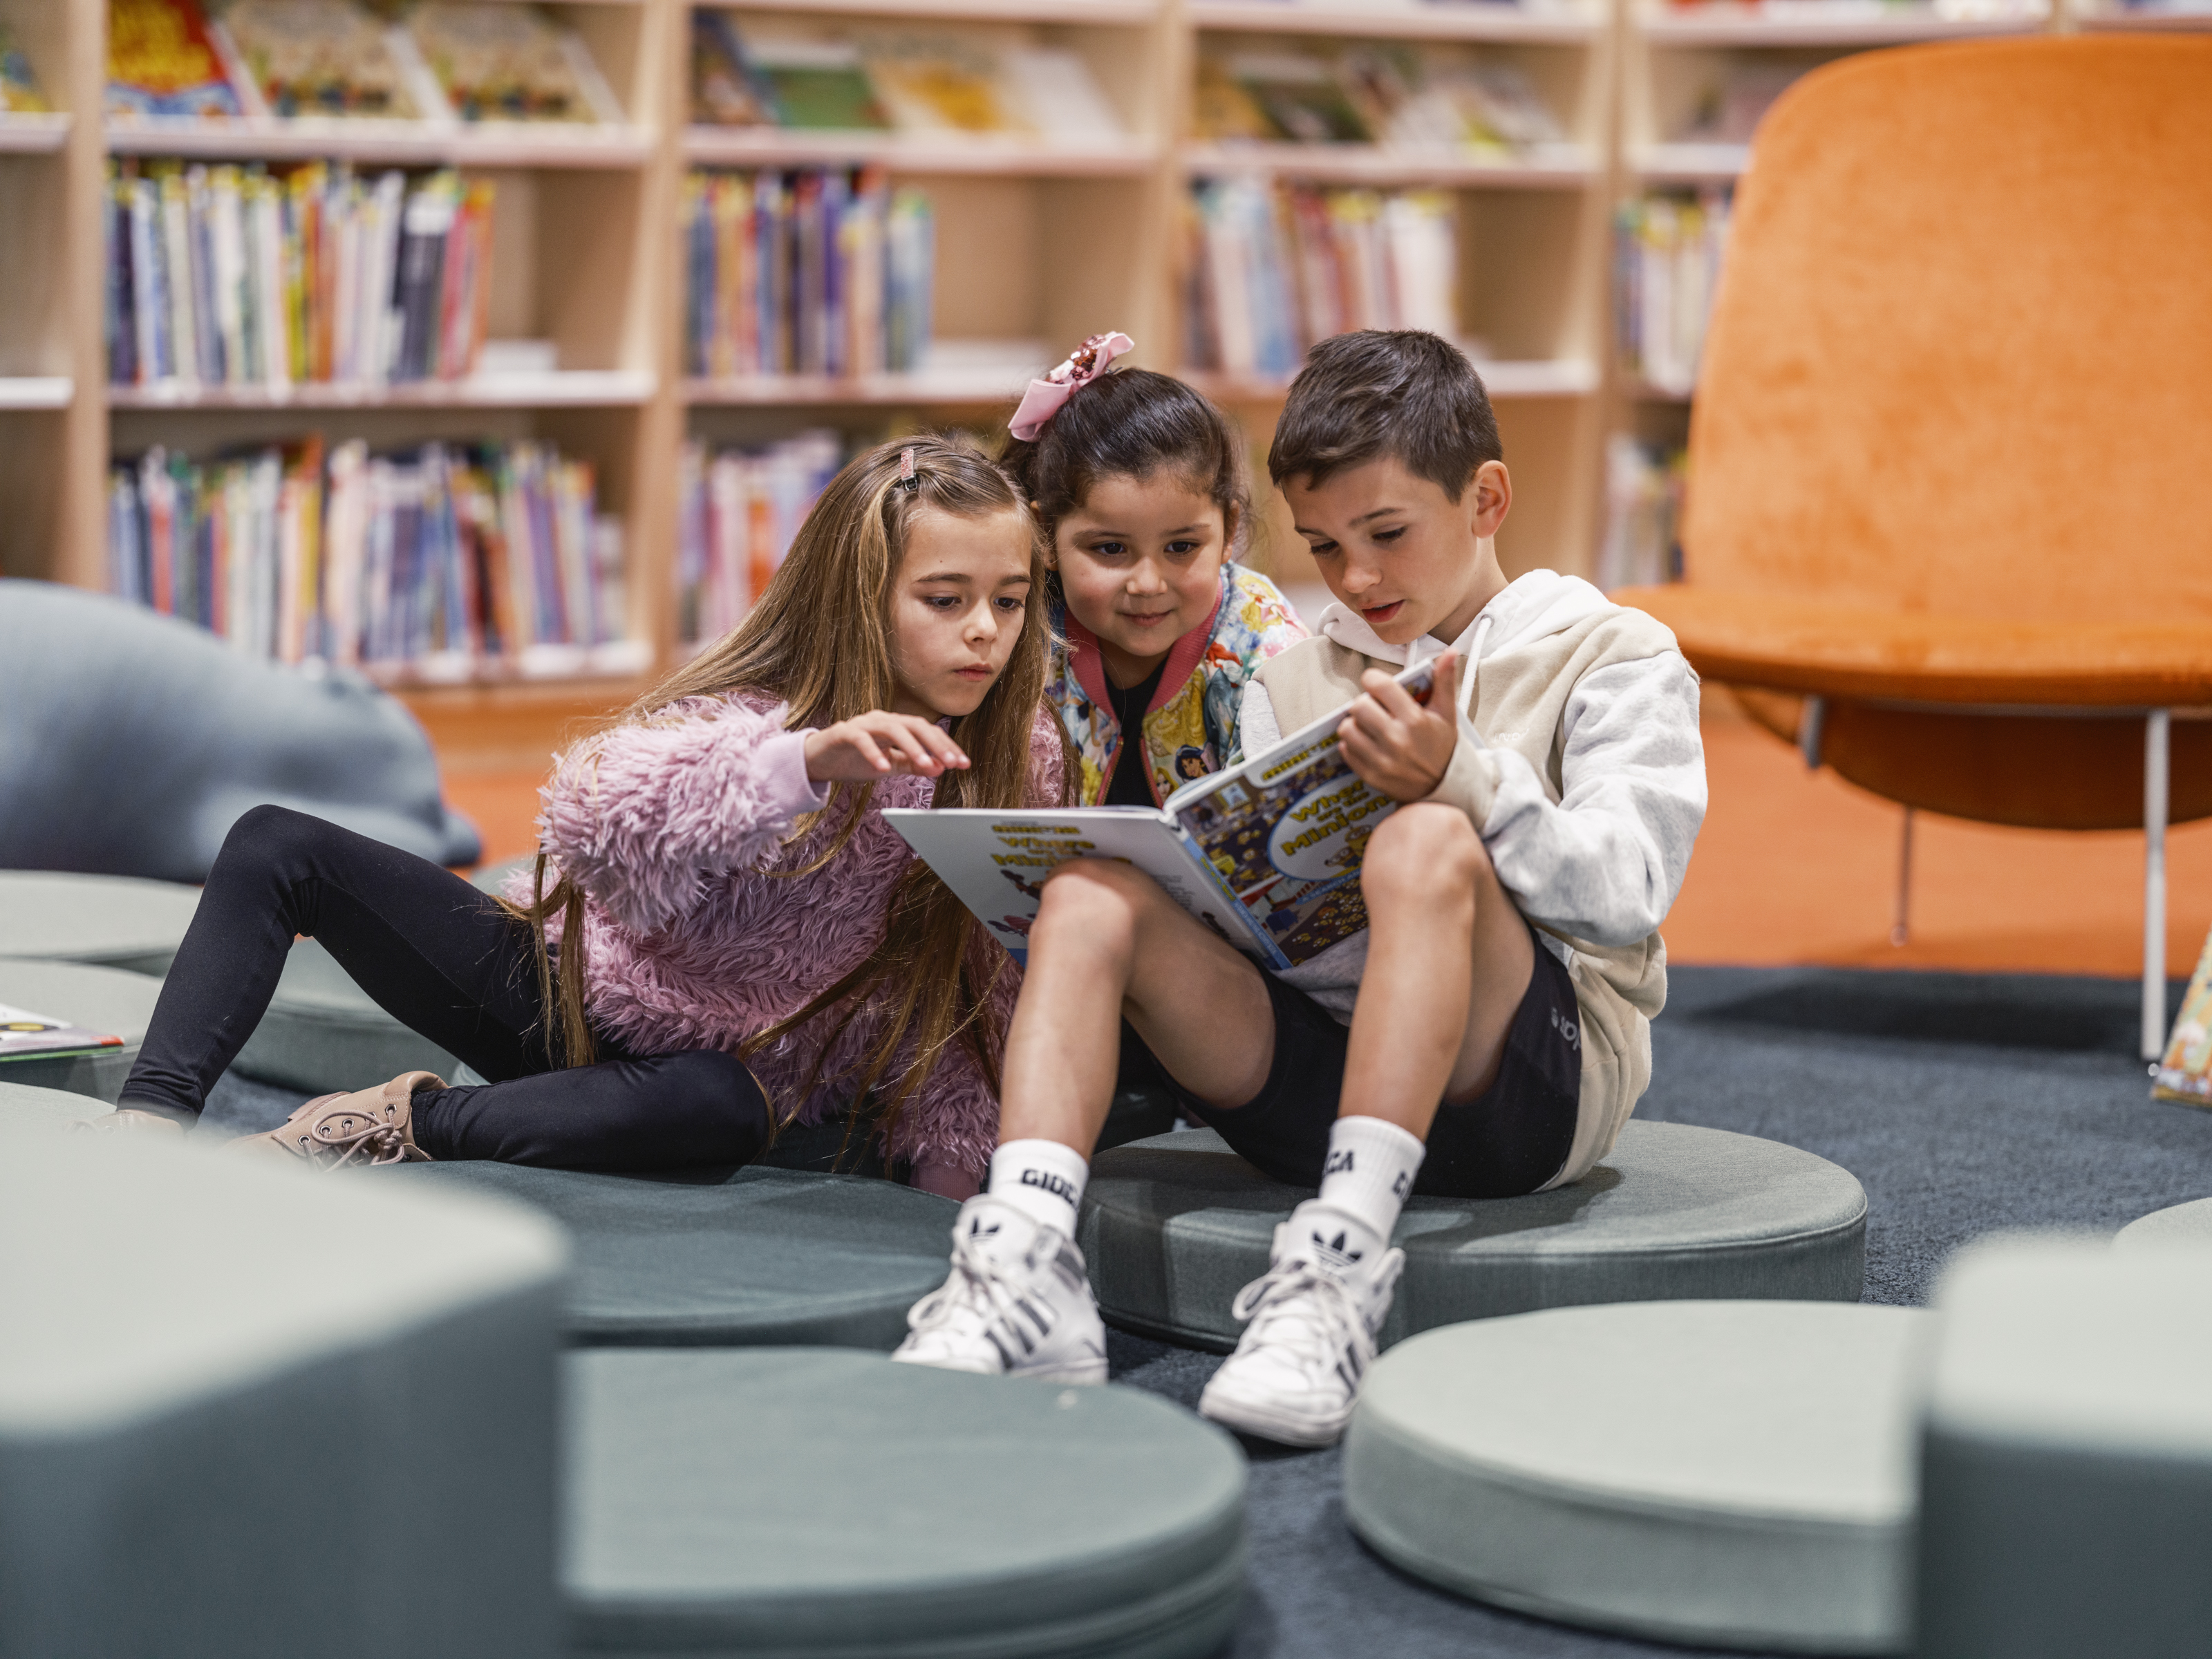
(1089, 662)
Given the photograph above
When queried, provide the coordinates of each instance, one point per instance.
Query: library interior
(704, 707)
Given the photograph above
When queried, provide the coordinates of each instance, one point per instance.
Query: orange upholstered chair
(1950, 510)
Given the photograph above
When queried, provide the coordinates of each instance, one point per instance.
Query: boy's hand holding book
(1401, 747)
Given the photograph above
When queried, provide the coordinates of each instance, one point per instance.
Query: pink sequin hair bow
(1085, 364)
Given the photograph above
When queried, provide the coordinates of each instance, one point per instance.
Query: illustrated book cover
(24, 1034)
(1267, 852)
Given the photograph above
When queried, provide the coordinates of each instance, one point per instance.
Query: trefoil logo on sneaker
(1333, 1251)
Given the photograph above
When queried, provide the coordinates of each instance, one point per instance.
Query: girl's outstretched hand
(881, 745)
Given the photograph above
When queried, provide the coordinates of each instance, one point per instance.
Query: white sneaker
(1017, 1303)
(1314, 1320)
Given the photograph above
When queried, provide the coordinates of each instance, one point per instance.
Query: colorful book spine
(1276, 269)
(443, 561)
(817, 271)
(739, 510)
(1669, 251)
(228, 276)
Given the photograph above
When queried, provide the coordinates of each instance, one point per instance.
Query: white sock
(1369, 1172)
(1043, 1179)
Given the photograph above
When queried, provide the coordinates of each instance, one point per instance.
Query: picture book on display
(24, 1034)
(19, 86)
(163, 60)
(2185, 1073)
(1267, 852)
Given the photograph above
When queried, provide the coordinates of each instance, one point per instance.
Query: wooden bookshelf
(1038, 246)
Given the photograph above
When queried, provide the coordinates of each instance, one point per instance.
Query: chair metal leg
(2157, 761)
(1900, 928)
(1811, 723)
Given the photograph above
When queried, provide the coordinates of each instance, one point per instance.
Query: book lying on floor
(1267, 852)
(25, 1035)
(2186, 1072)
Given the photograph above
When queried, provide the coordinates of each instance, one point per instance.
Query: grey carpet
(1964, 1102)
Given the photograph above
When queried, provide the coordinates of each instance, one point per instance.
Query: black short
(1508, 1140)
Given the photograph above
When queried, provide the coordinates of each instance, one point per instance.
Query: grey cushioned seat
(109, 1000)
(22, 1107)
(753, 1257)
(322, 1032)
(1729, 1473)
(247, 1413)
(110, 921)
(2183, 1223)
(2066, 1495)
(1173, 1226)
(799, 1501)
(133, 742)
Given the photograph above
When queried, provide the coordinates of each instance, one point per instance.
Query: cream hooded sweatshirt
(1579, 764)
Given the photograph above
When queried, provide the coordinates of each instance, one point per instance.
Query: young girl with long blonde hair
(720, 932)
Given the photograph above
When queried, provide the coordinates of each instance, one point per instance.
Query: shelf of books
(380, 362)
(1419, 19)
(2157, 16)
(1414, 165)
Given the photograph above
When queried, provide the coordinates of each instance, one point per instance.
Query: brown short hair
(1404, 393)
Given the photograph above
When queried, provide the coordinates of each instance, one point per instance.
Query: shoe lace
(976, 1288)
(385, 1142)
(1302, 1305)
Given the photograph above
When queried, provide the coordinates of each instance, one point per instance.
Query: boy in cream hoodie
(1487, 1036)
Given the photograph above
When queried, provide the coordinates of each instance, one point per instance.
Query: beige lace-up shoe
(369, 1126)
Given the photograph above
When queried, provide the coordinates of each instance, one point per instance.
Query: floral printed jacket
(1191, 727)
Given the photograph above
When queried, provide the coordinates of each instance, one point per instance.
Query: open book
(24, 1034)
(1266, 852)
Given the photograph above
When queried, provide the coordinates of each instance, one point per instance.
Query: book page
(1287, 831)
(996, 862)
(23, 1034)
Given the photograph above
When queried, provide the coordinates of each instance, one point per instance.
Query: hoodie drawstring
(1473, 667)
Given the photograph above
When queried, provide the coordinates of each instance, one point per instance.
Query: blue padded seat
(25, 1107)
(108, 921)
(2181, 1224)
(322, 1033)
(719, 1258)
(1173, 1226)
(249, 1413)
(813, 1502)
(1726, 1474)
(134, 741)
(112, 1001)
(2066, 1460)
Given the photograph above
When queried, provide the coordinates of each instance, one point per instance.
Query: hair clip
(1044, 398)
(907, 479)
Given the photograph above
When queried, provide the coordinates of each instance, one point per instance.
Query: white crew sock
(1043, 1179)
(1369, 1172)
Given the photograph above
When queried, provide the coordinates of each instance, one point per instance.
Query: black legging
(443, 959)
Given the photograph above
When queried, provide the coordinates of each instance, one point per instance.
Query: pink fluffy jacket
(675, 830)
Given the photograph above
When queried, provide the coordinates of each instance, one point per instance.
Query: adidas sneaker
(1314, 1317)
(1017, 1303)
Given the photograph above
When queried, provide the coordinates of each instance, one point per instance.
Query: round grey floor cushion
(110, 921)
(1173, 1226)
(749, 1258)
(111, 1001)
(2183, 1223)
(802, 1501)
(1726, 1474)
(322, 1033)
(493, 877)
(24, 1106)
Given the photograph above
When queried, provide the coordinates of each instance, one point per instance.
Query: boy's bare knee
(1095, 899)
(1421, 854)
